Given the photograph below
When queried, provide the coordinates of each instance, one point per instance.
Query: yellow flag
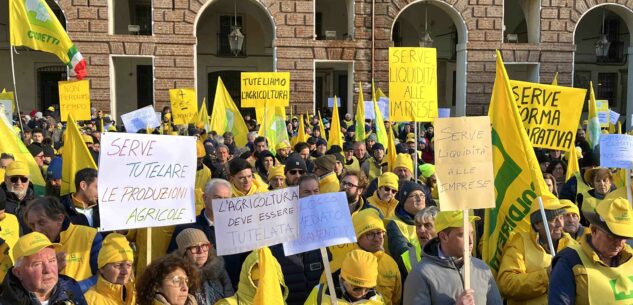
(75, 156)
(269, 287)
(381, 133)
(203, 114)
(33, 24)
(227, 117)
(336, 137)
(360, 115)
(12, 144)
(273, 126)
(555, 80)
(593, 126)
(301, 134)
(518, 181)
(321, 127)
(391, 150)
(572, 163)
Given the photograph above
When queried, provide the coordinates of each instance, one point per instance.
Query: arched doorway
(213, 56)
(36, 72)
(449, 34)
(607, 70)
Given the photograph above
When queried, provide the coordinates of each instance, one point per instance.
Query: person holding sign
(354, 283)
(598, 269)
(114, 282)
(525, 267)
(80, 245)
(438, 279)
(383, 198)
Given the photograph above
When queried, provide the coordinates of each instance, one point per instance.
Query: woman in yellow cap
(115, 285)
(276, 178)
(355, 282)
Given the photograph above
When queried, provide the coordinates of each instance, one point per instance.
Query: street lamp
(603, 44)
(426, 41)
(236, 38)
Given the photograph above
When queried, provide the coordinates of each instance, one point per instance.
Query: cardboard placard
(259, 88)
(383, 105)
(444, 112)
(602, 106)
(330, 102)
(616, 150)
(550, 114)
(463, 163)
(324, 221)
(140, 119)
(184, 105)
(613, 117)
(251, 222)
(74, 97)
(146, 181)
(413, 84)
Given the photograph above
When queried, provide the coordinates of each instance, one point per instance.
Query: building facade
(139, 49)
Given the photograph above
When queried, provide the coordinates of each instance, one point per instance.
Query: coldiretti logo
(622, 295)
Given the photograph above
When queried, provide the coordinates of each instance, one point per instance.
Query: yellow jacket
(329, 184)
(388, 209)
(160, 242)
(10, 233)
(106, 293)
(203, 176)
(258, 186)
(354, 165)
(81, 245)
(313, 298)
(246, 288)
(523, 278)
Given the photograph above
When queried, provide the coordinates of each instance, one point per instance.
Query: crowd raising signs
(259, 88)
(251, 222)
(74, 98)
(463, 163)
(413, 84)
(184, 105)
(146, 181)
(550, 114)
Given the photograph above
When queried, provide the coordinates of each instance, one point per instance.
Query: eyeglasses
(296, 172)
(373, 235)
(388, 189)
(14, 179)
(199, 248)
(417, 196)
(347, 184)
(178, 281)
(610, 236)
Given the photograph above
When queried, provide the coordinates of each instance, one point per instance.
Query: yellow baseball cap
(616, 214)
(551, 204)
(17, 168)
(451, 219)
(30, 244)
(360, 268)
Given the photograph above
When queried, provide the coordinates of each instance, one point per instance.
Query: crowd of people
(407, 250)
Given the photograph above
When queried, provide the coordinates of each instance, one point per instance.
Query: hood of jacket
(431, 253)
(246, 288)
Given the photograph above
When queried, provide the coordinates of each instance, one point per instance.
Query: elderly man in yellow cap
(525, 268)
(597, 270)
(370, 236)
(354, 283)
(34, 280)
(114, 283)
(384, 198)
(18, 188)
(573, 226)
(276, 178)
(438, 278)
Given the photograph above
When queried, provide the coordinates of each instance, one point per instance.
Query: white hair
(210, 187)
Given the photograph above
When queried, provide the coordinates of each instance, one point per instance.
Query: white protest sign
(146, 180)
(330, 102)
(251, 222)
(613, 117)
(616, 150)
(324, 221)
(7, 108)
(444, 112)
(140, 119)
(383, 105)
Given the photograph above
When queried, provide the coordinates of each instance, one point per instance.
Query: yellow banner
(261, 87)
(412, 84)
(74, 98)
(550, 114)
(463, 163)
(184, 105)
(602, 106)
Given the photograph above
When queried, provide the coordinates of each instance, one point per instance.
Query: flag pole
(415, 156)
(546, 226)
(15, 90)
(466, 250)
(629, 196)
(328, 276)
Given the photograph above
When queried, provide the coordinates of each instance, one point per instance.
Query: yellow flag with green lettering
(34, 25)
(518, 181)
